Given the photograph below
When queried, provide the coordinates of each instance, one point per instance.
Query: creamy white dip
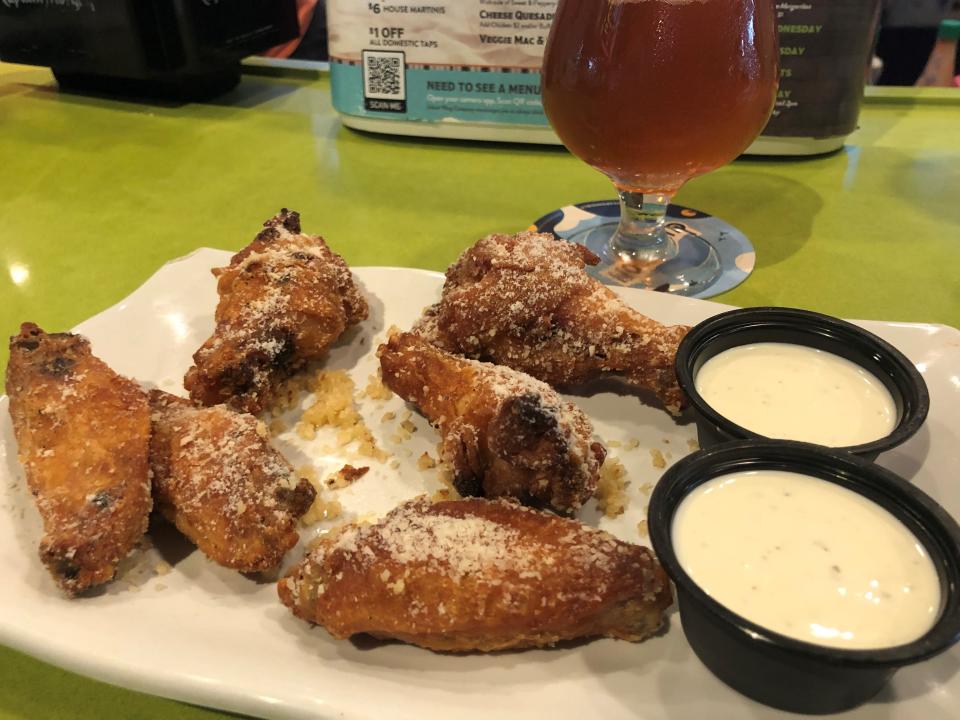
(808, 559)
(795, 392)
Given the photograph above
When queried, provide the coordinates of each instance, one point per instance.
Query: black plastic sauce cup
(801, 327)
(774, 669)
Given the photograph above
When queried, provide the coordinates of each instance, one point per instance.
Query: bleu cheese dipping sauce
(805, 576)
(792, 374)
(796, 392)
(808, 559)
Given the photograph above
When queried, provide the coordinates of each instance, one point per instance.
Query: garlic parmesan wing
(503, 432)
(218, 479)
(525, 301)
(82, 433)
(284, 299)
(478, 574)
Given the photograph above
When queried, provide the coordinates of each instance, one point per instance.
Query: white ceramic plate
(210, 636)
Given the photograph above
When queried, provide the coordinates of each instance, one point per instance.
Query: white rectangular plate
(206, 635)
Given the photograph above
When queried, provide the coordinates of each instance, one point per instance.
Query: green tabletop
(96, 194)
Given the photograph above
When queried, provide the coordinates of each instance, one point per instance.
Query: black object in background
(313, 44)
(905, 51)
(183, 49)
(908, 32)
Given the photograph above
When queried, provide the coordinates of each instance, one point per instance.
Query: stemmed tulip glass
(652, 93)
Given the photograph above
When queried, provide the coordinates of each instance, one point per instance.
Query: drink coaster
(736, 253)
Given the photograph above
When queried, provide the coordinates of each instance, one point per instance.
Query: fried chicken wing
(478, 574)
(218, 479)
(525, 301)
(82, 433)
(284, 299)
(504, 433)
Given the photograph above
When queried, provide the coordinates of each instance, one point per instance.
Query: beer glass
(652, 93)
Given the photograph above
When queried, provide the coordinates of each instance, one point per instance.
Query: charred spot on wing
(268, 234)
(290, 220)
(68, 570)
(527, 413)
(102, 499)
(467, 477)
(468, 483)
(523, 425)
(241, 378)
(58, 366)
(299, 499)
(286, 352)
(28, 338)
(236, 379)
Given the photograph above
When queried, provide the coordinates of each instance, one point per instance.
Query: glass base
(735, 251)
(695, 266)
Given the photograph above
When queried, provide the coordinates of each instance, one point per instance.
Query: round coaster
(735, 251)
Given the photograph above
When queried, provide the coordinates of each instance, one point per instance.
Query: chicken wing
(504, 433)
(525, 301)
(83, 433)
(478, 574)
(218, 479)
(284, 299)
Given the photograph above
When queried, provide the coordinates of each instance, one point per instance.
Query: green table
(96, 194)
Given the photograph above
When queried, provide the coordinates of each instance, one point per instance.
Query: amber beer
(655, 92)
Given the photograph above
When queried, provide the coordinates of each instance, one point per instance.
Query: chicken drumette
(284, 299)
(525, 301)
(503, 433)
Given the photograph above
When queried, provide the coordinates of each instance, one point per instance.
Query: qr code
(383, 75)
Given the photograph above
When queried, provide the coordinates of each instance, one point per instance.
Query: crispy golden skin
(478, 574)
(218, 479)
(284, 299)
(83, 433)
(504, 433)
(525, 301)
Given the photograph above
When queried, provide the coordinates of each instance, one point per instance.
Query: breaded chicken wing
(478, 574)
(504, 433)
(218, 479)
(83, 433)
(525, 301)
(284, 299)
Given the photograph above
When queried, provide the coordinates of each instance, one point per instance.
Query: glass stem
(642, 233)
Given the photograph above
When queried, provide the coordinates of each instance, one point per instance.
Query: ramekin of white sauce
(807, 558)
(791, 374)
(805, 576)
(796, 392)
